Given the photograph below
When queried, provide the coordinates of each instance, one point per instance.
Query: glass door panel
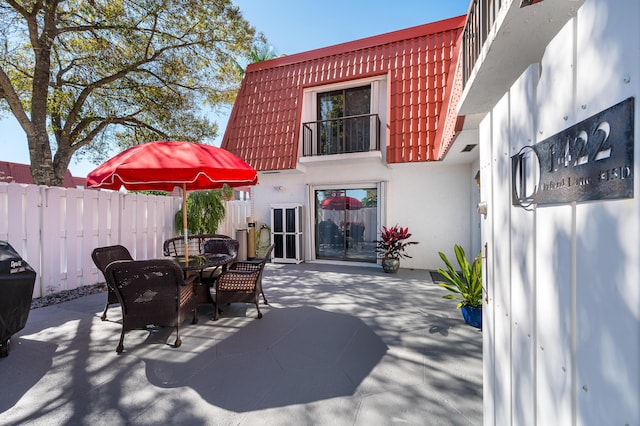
(356, 130)
(343, 120)
(346, 221)
(330, 108)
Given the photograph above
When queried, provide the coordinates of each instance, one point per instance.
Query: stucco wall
(562, 326)
(434, 200)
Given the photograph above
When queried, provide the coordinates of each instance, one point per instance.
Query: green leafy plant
(393, 242)
(465, 286)
(205, 211)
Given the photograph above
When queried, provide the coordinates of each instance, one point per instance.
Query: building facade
(359, 136)
(547, 90)
(556, 84)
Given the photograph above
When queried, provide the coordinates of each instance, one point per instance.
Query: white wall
(432, 199)
(562, 326)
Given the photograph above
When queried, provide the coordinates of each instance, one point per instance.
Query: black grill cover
(16, 290)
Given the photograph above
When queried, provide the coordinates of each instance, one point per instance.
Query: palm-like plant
(466, 285)
(205, 211)
(259, 53)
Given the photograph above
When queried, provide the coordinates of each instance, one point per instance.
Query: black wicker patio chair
(103, 256)
(223, 250)
(175, 246)
(152, 292)
(241, 283)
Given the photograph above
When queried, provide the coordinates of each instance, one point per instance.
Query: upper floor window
(344, 103)
(344, 119)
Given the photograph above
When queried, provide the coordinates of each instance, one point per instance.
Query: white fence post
(235, 218)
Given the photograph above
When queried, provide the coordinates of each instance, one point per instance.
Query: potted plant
(391, 246)
(465, 286)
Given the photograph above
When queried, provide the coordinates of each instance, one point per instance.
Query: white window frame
(310, 242)
(378, 104)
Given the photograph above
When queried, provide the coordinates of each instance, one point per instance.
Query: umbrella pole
(184, 223)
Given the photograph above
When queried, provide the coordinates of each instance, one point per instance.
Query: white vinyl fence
(55, 229)
(236, 214)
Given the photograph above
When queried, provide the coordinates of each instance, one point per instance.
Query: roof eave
(394, 36)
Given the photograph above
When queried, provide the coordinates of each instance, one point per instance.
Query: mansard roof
(264, 125)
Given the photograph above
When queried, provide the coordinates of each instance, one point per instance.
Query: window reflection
(346, 222)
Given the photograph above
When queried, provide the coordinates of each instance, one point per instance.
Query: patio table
(207, 261)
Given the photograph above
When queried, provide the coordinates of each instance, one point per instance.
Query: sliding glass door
(344, 120)
(345, 226)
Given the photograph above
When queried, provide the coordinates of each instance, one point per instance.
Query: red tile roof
(21, 173)
(264, 126)
(450, 123)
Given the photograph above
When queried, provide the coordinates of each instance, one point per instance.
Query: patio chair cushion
(241, 283)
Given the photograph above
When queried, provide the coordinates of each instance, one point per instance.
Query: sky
(291, 26)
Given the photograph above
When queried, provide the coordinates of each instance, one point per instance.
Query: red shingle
(264, 125)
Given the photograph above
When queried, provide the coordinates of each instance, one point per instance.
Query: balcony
(345, 135)
(480, 19)
(501, 39)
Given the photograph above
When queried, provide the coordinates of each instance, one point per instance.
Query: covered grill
(16, 290)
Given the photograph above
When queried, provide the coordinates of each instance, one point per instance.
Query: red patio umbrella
(341, 202)
(163, 165)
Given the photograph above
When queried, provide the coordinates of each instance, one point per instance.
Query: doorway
(344, 117)
(346, 223)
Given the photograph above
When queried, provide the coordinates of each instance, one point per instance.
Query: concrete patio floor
(339, 345)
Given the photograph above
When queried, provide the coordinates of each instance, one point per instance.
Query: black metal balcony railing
(482, 14)
(358, 133)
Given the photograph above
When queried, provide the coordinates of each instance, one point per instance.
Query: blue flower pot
(472, 316)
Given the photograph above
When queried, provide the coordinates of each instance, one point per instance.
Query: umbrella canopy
(163, 165)
(341, 202)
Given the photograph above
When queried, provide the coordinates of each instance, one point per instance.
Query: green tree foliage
(261, 52)
(83, 75)
(205, 211)
(371, 199)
